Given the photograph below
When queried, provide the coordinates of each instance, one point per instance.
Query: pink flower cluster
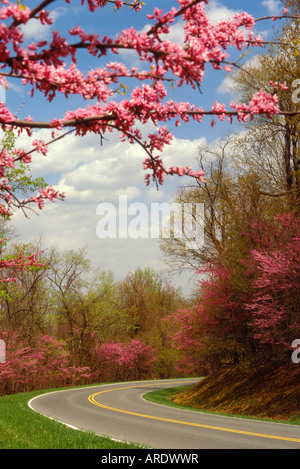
(40, 147)
(50, 68)
(19, 263)
(94, 4)
(15, 11)
(5, 114)
(187, 171)
(6, 161)
(276, 85)
(261, 103)
(47, 193)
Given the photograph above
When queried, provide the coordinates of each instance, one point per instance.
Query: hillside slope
(263, 392)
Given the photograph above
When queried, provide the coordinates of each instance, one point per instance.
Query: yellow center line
(210, 427)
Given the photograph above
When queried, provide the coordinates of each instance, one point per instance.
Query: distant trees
(25, 302)
(118, 361)
(64, 323)
(45, 363)
(233, 199)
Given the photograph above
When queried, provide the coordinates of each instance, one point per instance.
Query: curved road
(119, 411)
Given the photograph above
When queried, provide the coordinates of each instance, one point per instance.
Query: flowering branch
(42, 65)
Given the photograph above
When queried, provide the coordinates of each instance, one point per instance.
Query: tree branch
(112, 117)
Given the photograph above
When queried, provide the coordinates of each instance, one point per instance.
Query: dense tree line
(100, 329)
(247, 309)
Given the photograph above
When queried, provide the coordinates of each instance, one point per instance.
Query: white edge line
(67, 424)
(29, 403)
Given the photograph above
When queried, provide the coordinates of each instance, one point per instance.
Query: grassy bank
(22, 428)
(263, 392)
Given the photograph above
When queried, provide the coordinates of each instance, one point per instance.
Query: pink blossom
(40, 146)
(219, 109)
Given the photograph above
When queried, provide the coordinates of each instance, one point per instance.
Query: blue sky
(91, 174)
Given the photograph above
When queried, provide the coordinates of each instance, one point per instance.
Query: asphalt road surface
(119, 411)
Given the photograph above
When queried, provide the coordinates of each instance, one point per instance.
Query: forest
(66, 324)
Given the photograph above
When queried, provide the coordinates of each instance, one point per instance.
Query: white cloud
(2, 94)
(273, 6)
(34, 29)
(216, 12)
(176, 33)
(90, 174)
(224, 86)
(80, 164)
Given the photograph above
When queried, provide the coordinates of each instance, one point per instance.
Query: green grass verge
(164, 397)
(22, 428)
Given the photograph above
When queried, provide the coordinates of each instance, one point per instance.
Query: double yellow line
(210, 427)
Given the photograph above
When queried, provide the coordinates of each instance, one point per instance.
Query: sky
(91, 173)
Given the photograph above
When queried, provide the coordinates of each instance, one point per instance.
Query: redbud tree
(50, 68)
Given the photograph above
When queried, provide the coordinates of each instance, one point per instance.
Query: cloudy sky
(91, 173)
